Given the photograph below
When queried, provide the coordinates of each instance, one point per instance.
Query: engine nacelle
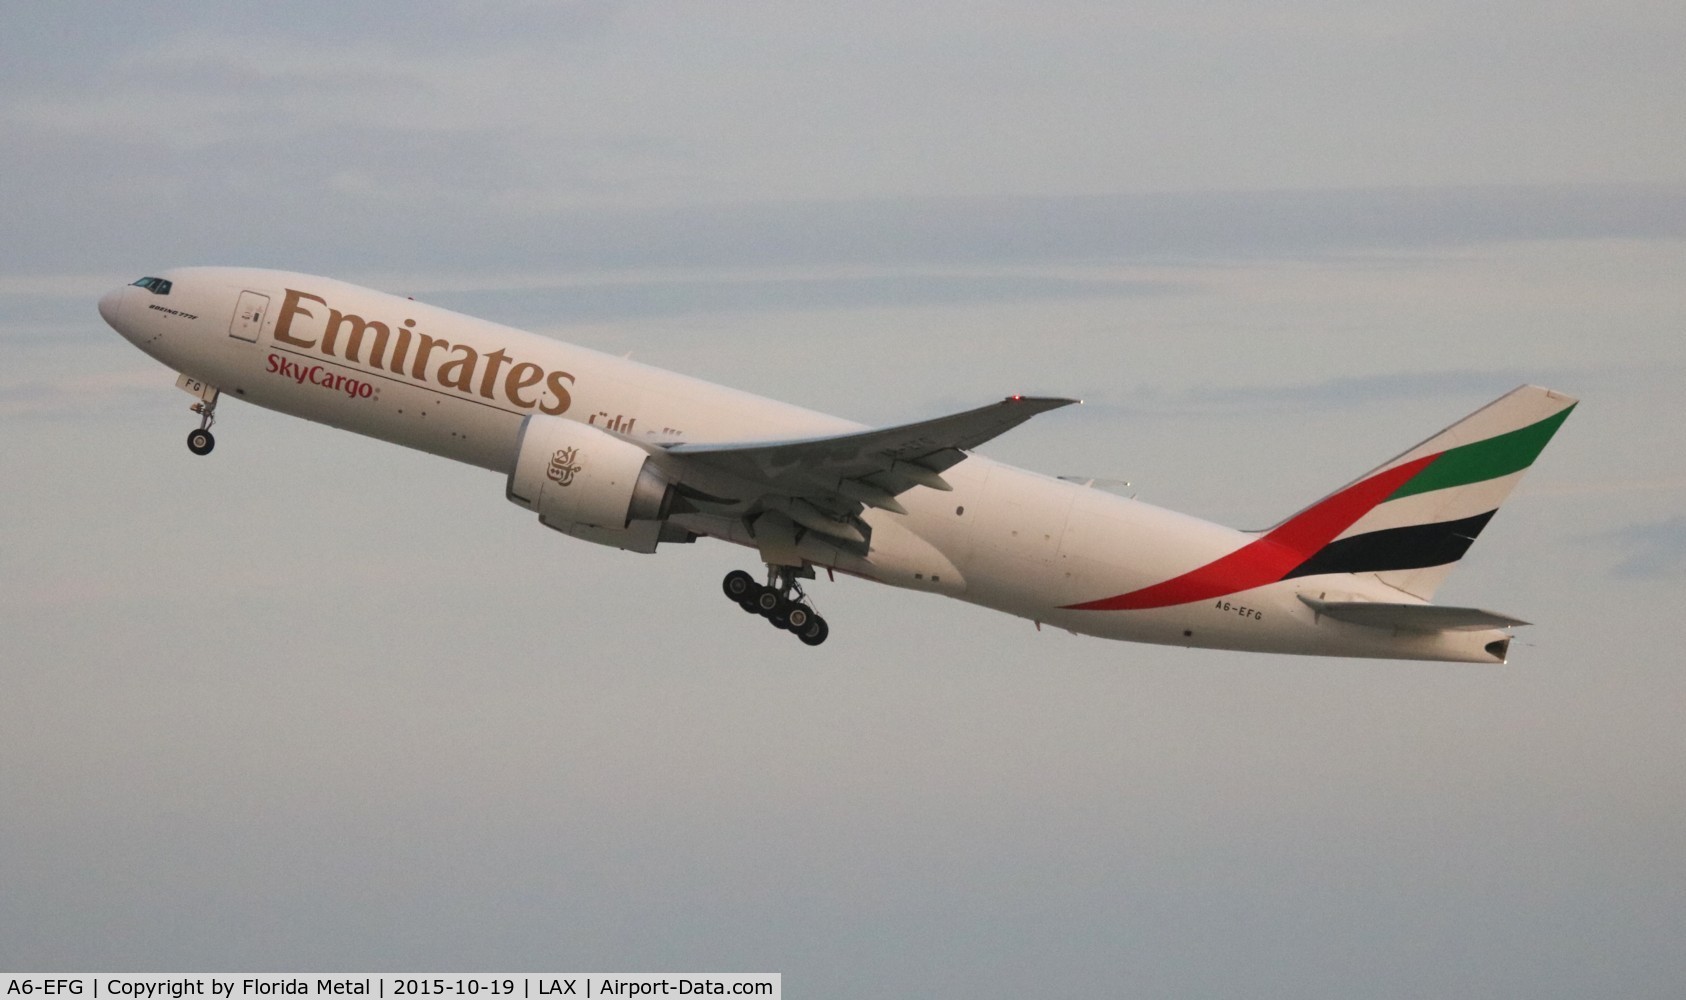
(588, 483)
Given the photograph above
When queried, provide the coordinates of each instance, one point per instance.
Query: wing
(823, 483)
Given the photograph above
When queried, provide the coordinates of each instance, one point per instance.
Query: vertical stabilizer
(1444, 491)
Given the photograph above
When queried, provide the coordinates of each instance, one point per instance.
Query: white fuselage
(428, 378)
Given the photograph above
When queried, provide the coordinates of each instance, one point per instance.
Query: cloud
(98, 394)
(1327, 394)
(81, 287)
(1160, 228)
(1653, 551)
(426, 202)
(574, 302)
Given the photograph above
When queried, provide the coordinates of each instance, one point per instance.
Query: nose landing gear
(781, 602)
(200, 442)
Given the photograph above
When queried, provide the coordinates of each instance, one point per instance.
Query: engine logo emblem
(563, 468)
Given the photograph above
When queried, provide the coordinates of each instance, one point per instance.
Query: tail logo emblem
(563, 468)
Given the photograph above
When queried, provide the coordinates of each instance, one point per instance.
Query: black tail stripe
(1412, 547)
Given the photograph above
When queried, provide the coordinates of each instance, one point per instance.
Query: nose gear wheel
(200, 442)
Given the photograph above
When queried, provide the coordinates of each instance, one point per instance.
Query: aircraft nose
(108, 306)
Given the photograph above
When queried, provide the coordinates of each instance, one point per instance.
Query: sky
(318, 703)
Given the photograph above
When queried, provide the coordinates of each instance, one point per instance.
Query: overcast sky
(318, 703)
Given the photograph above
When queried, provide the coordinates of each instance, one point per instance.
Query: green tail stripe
(1483, 460)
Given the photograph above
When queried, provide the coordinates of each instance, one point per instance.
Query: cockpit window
(157, 286)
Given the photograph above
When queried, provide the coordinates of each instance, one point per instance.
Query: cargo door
(248, 316)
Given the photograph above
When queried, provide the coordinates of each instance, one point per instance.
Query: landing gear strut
(781, 601)
(200, 442)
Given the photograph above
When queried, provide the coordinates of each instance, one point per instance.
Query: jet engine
(589, 484)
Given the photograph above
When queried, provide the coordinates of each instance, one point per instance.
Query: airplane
(626, 455)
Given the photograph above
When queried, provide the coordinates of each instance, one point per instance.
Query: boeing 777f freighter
(622, 454)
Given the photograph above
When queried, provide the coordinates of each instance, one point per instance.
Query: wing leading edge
(823, 483)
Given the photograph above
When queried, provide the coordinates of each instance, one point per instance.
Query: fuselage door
(248, 316)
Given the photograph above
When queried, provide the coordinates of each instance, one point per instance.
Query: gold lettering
(289, 308)
(520, 377)
(400, 349)
(494, 361)
(425, 347)
(354, 342)
(458, 373)
(554, 383)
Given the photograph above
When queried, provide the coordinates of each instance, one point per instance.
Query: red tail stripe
(1273, 556)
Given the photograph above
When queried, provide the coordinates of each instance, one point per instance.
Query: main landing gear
(781, 602)
(200, 442)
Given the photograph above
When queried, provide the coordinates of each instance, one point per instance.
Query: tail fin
(1407, 522)
(1426, 507)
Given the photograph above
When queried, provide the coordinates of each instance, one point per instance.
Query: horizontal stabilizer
(1411, 617)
